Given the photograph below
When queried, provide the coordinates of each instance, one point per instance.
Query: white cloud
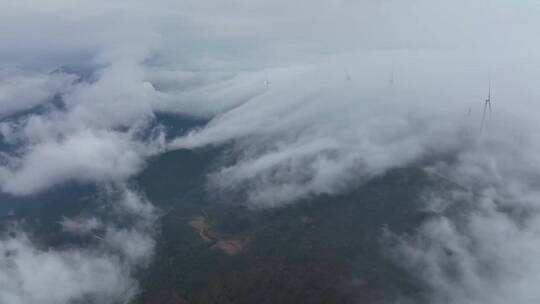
(119, 97)
(309, 130)
(100, 272)
(20, 91)
(30, 274)
(208, 94)
(85, 157)
(81, 226)
(85, 142)
(482, 246)
(317, 132)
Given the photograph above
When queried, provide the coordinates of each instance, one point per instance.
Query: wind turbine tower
(392, 76)
(487, 103)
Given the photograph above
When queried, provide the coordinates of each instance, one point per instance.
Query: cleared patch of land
(200, 224)
(228, 246)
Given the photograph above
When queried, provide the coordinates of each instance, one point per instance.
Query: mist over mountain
(323, 151)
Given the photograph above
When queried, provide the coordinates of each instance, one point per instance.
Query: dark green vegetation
(327, 249)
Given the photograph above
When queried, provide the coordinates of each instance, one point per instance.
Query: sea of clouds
(310, 97)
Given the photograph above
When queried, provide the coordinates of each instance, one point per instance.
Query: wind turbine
(487, 103)
(347, 75)
(392, 76)
(487, 106)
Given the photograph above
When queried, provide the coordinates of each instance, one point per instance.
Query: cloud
(97, 137)
(487, 258)
(21, 91)
(300, 93)
(321, 133)
(119, 97)
(86, 156)
(27, 273)
(206, 94)
(100, 131)
(337, 124)
(100, 272)
(207, 35)
(480, 245)
(81, 226)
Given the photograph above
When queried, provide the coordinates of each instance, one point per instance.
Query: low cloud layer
(482, 245)
(94, 136)
(101, 272)
(83, 157)
(27, 274)
(24, 91)
(309, 97)
(350, 119)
